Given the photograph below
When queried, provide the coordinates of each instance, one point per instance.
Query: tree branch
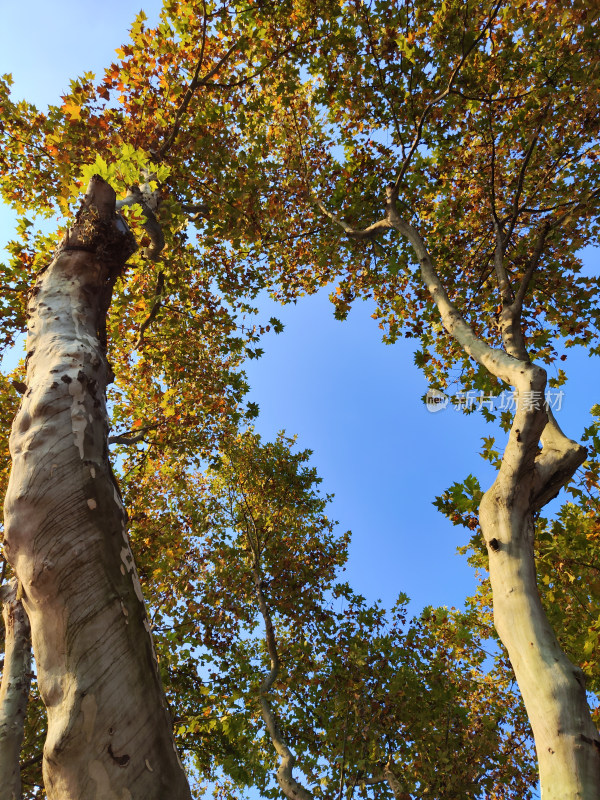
(148, 201)
(521, 179)
(126, 439)
(556, 464)
(370, 232)
(160, 284)
(439, 97)
(196, 82)
(495, 360)
(289, 786)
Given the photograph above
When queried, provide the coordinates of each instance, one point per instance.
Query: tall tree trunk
(553, 689)
(14, 690)
(109, 730)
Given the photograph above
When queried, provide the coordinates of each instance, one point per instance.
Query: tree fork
(109, 729)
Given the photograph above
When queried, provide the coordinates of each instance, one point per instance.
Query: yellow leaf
(72, 110)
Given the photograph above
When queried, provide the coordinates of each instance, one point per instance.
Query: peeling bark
(14, 690)
(109, 730)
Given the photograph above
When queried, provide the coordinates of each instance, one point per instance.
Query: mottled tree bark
(14, 689)
(109, 730)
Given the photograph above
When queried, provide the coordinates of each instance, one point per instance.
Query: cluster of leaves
(358, 687)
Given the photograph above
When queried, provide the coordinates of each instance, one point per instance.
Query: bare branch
(196, 82)
(289, 786)
(521, 179)
(381, 226)
(160, 284)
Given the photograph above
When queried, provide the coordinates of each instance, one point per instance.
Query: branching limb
(14, 689)
(556, 464)
(387, 775)
(393, 782)
(521, 179)
(196, 211)
(289, 786)
(496, 361)
(501, 273)
(443, 94)
(370, 232)
(194, 84)
(127, 438)
(148, 201)
(509, 321)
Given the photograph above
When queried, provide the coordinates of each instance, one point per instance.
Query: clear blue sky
(353, 401)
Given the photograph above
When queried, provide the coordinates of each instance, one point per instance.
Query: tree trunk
(14, 690)
(553, 689)
(109, 730)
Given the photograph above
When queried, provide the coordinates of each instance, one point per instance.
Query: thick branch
(14, 689)
(496, 361)
(394, 783)
(501, 273)
(126, 440)
(388, 776)
(148, 201)
(381, 226)
(501, 364)
(509, 321)
(556, 464)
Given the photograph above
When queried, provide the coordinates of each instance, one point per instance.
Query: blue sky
(354, 401)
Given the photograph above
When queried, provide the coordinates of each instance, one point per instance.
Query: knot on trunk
(99, 229)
